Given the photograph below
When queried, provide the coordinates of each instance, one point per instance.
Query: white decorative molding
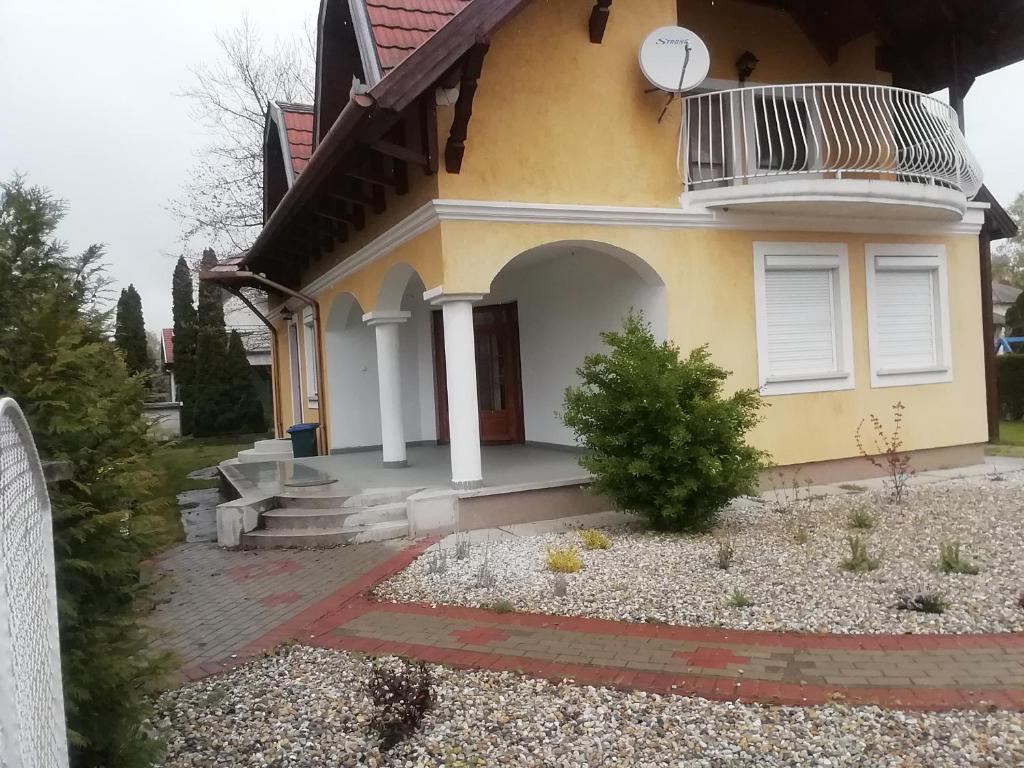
(386, 318)
(432, 213)
(437, 296)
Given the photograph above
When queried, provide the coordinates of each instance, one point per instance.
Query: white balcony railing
(824, 130)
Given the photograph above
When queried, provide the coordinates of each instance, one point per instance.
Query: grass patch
(860, 519)
(1010, 442)
(594, 539)
(502, 606)
(739, 599)
(170, 464)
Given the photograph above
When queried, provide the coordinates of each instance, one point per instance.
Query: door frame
(441, 381)
(298, 414)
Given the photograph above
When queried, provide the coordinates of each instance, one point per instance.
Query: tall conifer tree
(130, 331)
(185, 320)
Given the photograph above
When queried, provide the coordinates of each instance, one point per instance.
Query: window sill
(797, 384)
(909, 377)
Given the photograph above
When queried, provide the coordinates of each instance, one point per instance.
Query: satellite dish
(674, 59)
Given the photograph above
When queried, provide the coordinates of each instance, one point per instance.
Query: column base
(467, 485)
(396, 464)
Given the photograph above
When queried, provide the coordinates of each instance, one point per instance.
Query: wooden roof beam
(599, 15)
(473, 65)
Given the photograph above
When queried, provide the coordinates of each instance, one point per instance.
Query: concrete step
(302, 519)
(378, 497)
(273, 445)
(320, 501)
(251, 456)
(323, 537)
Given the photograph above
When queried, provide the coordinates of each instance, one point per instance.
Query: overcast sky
(90, 111)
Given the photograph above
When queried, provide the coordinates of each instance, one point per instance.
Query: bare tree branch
(221, 203)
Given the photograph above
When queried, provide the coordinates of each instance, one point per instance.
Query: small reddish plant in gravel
(402, 694)
(885, 451)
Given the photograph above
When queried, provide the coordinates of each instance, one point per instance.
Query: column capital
(386, 318)
(437, 296)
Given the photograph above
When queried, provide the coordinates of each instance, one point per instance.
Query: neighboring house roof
(167, 346)
(255, 338)
(401, 26)
(1004, 294)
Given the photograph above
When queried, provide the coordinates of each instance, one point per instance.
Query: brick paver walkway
(909, 671)
(213, 602)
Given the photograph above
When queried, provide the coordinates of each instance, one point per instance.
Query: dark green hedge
(1011, 385)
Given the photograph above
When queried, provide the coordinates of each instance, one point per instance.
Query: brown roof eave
(396, 91)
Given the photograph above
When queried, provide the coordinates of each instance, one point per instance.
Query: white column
(389, 382)
(460, 369)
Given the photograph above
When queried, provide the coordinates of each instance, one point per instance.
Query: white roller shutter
(801, 321)
(906, 318)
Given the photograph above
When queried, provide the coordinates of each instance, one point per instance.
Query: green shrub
(860, 519)
(859, 561)
(1010, 373)
(57, 361)
(661, 438)
(502, 606)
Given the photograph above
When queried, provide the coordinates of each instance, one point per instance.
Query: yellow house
(492, 183)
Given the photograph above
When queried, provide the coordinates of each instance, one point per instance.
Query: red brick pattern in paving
(910, 671)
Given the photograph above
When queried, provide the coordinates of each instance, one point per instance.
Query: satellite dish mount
(674, 60)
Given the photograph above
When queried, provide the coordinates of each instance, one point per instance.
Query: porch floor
(430, 467)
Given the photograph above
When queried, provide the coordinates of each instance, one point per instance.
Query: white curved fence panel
(828, 130)
(32, 725)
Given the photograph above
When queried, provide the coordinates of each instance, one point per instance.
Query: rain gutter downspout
(322, 436)
(274, 381)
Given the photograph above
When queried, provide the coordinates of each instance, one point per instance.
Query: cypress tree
(185, 320)
(130, 332)
(211, 298)
(248, 410)
(57, 360)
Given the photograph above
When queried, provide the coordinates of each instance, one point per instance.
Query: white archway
(567, 293)
(354, 408)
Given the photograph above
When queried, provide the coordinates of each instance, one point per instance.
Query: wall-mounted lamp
(287, 315)
(745, 66)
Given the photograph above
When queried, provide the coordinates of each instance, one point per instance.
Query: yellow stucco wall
(709, 282)
(558, 119)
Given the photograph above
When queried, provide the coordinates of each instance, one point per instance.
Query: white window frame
(910, 257)
(309, 356)
(835, 256)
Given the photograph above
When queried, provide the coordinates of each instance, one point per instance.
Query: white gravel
(794, 586)
(306, 707)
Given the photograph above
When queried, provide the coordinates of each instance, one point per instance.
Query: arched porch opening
(561, 296)
(351, 358)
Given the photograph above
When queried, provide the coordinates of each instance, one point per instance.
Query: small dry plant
(565, 560)
(726, 554)
(886, 452)
(791, 492)
(860, 519)
(927, 602)
(438, 562)
(594, 539)
(461, 546)
(950, 560)
(484, 578)
(739, 599)
(401, 694)
(860, 560)
(1020, 601)
(560, 585)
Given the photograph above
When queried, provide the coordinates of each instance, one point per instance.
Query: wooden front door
(499, 383)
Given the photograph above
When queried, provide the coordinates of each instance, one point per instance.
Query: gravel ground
(787, 558)
(308, 707)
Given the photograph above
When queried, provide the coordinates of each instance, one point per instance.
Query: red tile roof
(298, 121)
(402, 26)
(168, 346)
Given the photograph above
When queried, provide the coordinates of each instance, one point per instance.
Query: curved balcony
(827, 149)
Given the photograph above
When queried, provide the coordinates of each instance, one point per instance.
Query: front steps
(267, 450)
(327, 521)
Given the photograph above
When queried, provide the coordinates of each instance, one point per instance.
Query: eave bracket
(599, 20)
